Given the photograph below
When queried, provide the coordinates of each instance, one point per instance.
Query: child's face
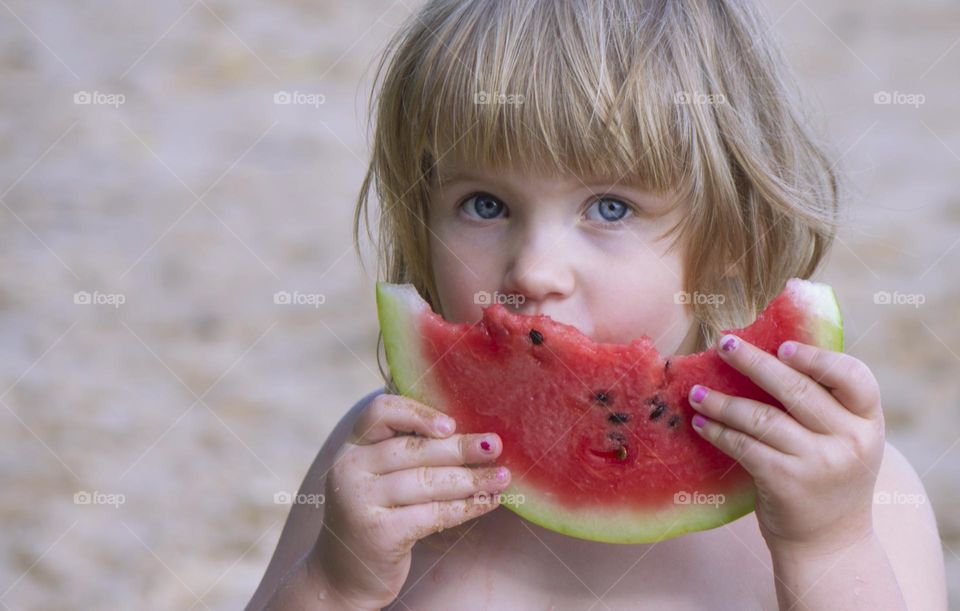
(585, 255)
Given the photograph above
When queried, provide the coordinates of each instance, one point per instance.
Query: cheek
(459, 267)
(636, 297)
(640, 309)
(457, 291)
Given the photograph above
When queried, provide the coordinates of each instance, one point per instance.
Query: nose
(540, 267)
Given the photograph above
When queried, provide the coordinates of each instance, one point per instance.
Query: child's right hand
(387, 489)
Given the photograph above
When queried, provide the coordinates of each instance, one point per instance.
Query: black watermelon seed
(618, 417)
(659, 408)
(536, 337)
(674, 421)
(602, 397)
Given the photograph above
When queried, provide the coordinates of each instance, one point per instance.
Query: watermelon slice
(597, 436)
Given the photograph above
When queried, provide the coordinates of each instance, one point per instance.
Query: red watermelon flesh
(597, 436)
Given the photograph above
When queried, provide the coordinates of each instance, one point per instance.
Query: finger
(761, 421)
(752, 454)
(847, 378)
(407, 452)
(388, 415)
(428, 518)
(808, 402)
(424, 484)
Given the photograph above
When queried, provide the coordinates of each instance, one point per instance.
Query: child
(592, 159)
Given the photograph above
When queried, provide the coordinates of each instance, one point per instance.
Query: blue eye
(483, 206)
(611, 210)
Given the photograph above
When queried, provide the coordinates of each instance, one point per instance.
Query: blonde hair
(690, 97)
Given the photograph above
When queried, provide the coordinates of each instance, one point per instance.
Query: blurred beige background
(194, 198)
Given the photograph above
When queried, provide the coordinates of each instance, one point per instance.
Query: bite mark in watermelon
(597, 436)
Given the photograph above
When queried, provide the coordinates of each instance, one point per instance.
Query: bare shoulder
(304, 520)
(907, 528)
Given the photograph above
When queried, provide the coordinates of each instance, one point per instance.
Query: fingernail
(729, 343)
(502, 474)
(445, 425)
(699, 421)
(699, 392)
(787, 349)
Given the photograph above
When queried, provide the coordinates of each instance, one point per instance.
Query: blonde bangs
(533, 87)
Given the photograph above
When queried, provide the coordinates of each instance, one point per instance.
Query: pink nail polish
(699, 421)
(502, 474)
(485, 445)
(699, 392)
(729, 343)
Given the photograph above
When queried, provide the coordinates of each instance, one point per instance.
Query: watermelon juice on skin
(597, 436)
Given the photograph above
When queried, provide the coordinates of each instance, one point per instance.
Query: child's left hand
(814, 465)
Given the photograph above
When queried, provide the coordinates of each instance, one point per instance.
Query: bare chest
(502, 562)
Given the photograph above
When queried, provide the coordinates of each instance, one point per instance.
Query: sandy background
(199, 398)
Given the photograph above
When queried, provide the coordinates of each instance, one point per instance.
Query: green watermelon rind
(399, 308)
(825, 326)
(611, 525)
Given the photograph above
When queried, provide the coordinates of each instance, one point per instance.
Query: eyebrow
(455, 176)
(452, 178)
(460, 176)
